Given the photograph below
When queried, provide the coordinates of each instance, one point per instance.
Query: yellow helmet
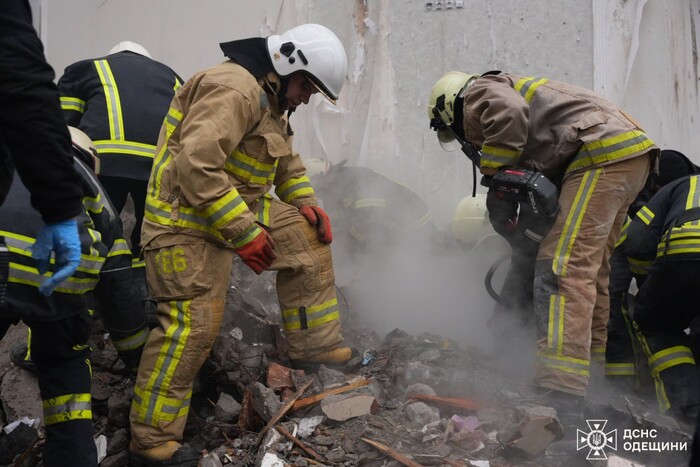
(85, 148)
(470, 222)
(441, 110)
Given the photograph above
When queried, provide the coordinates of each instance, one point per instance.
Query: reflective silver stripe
(174, 409)
(132, 342)
(244, 169)
(28, 276)
(286, 194)
(670, 357)
(112, 98)
(565, 364)
(88, 264)
(128, 147)
(170, 361)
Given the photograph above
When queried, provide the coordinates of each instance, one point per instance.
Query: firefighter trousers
(619, 351)
(60, 352)
(189, 276)
(665, 306)
(571, 274)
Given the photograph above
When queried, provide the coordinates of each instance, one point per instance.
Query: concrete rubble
(408, 400)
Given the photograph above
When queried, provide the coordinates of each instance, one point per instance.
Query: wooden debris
(283, 410)
(311, 400)
(283, 431)
(455, 402)
(391, 453)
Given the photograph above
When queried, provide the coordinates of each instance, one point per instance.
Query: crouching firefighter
(663, 248)
(60, 319)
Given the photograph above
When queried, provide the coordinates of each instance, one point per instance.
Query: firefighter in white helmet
(597, 156)
(225, 142)
(119, 101)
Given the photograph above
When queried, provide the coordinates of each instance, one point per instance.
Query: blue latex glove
(61, 238)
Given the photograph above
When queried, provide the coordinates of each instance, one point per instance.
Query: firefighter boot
(19, 355)
(168, 454)
(335, 359)
(569, 407)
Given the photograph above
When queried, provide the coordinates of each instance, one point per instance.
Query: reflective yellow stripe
(172, 408)
(370, 203)
(640, 266)
(73, 103)
(555, 330)
(124, 147)
(659, 388)
(250, 169)
(598, 353)
(163, 157)
(295, 188)
(209, 221)
(646, 215)
(573, 221)
(693, 199)
(67, 408)
(149, 407)
(114, 109)
(498, 157)
(172, 120)
(566, 364)
(316, 315)
(623, 232)
(264, 206)
(527, 86)
(22, 245)
(120, 247)
(132, 342)
(619, 369)
(247, 237)
(610, 149)
(670, 357)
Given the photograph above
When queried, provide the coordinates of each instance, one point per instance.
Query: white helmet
(314, 50)
(470, 222)
(86, 148)
(130, 47)
(316, 167)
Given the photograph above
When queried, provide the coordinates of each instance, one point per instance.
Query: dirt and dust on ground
(438, 381)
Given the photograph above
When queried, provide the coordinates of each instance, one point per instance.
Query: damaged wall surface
(642, 55)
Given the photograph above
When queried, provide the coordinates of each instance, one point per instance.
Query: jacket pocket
(588, 127)
(276, 145)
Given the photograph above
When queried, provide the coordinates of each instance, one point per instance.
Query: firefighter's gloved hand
(255, 248)
(63, 240)
(319, 219)
(503, 213)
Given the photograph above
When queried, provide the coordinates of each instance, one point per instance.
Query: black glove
(503, 213)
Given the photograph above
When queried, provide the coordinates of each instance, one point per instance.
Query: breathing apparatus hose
(489, 277)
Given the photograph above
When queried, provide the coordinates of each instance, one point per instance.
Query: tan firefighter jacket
(548, 126)
(223, 145)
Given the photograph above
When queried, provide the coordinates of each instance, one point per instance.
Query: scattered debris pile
(413, 400)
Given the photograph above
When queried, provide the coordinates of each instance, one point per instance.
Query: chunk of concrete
(533, 429)
(342, 407)
(422, 414)
(227, 408)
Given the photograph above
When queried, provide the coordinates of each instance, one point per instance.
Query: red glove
(318, 218)
(255, 248)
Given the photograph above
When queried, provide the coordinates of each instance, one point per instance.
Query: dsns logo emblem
(596, 440)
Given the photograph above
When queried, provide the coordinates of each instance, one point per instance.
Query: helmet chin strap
(473, 154)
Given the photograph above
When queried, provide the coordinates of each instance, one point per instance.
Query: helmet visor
(447, 140)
